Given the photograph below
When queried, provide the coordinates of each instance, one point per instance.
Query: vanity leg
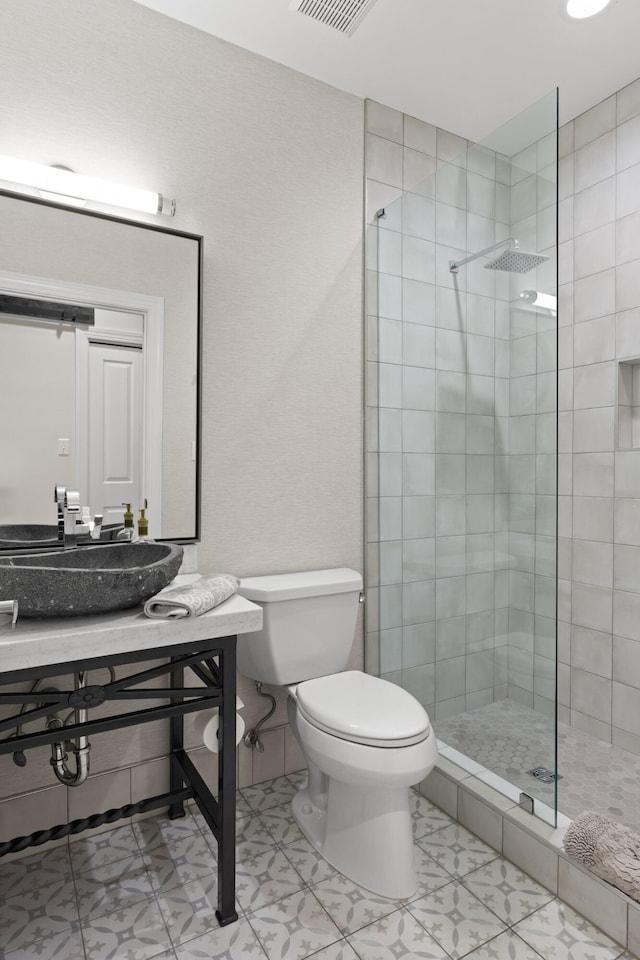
(176, 737)
(226, 912)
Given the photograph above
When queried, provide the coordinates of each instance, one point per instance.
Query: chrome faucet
(74, 521)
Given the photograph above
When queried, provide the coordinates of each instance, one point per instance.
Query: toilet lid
(356, 706)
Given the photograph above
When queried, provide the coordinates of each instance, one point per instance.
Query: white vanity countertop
(41, 642)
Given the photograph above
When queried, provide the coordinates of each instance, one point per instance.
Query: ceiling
(465, 65)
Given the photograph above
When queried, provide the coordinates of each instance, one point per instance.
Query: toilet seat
(358, 707)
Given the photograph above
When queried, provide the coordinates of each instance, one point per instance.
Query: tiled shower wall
(437, 408)
(599, 483)
(461, 428)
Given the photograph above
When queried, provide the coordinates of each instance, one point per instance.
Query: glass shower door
(463, 435)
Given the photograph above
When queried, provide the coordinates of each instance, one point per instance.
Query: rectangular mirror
(109, 408)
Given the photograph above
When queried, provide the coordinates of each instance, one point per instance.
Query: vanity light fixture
(64, 186)
(581, 9)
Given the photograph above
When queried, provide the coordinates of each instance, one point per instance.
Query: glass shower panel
(462, 513)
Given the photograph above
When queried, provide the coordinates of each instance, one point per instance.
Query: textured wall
(267, 164)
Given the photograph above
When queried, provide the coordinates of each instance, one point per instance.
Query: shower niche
(462, 446)
(628, 412)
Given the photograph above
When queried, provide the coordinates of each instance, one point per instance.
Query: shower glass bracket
(526, 802)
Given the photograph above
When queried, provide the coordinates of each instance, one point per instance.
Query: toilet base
(365, 834)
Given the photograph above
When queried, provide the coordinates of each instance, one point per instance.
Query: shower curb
(534, 846)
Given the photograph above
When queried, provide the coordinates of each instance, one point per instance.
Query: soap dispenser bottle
(128, 530)
(143, 525)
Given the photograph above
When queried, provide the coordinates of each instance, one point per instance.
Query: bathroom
(275, 187)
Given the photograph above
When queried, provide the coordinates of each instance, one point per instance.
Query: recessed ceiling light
(580, 9)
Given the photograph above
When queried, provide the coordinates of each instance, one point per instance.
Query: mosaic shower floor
(148, 890)
(510, 740)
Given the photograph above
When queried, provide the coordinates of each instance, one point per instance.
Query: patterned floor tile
(237, 941)
(107, 888)
(457, 850)
(94, 850)
(189, 911)
(176, 862)
(252, 838)
(271, 793)
(159, 831)
(350, 906)
(294, 928)
(395, 936)
(37, 914)
(306, 860)
(506, 890)
(507, 946)
(559, 933)
(281, 823)
(285, 919)
(430, 874)
(299, 779)
(454, 918)
(265, 878)
(342, 950)
(36, 870)
(243, 809)
(137, 932)
(63, 946)
(426, 818)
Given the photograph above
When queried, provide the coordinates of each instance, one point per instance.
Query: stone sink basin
(13, 536)
(88, 580)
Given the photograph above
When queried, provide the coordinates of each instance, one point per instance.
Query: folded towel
(609, 849)
(193, 599)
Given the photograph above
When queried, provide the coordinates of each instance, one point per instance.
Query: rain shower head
(516, 261)
(513, 260)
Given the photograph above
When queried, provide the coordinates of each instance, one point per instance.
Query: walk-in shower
(462, 443)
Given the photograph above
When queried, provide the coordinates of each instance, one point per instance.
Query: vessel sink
(13, 536)
(88, 580)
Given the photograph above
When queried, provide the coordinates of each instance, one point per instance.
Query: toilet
(365, 740)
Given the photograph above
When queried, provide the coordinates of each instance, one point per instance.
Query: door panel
(115, 431)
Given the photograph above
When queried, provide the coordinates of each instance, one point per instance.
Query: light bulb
(581, 9)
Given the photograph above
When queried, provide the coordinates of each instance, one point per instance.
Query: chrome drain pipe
(80, 747)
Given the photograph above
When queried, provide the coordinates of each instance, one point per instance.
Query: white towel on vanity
(194, 599)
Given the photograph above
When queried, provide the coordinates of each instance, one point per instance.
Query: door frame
(152, 310)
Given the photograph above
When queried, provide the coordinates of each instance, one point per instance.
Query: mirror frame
(158, 228)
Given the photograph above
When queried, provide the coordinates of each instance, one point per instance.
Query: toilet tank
(308, 624)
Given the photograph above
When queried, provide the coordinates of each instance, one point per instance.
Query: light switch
(63, 446)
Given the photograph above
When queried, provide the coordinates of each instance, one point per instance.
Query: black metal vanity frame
(219, 679)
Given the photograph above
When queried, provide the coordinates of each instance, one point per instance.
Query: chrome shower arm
(454, 264)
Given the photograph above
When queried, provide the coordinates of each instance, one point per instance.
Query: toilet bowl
(366, 740)
(355, 806)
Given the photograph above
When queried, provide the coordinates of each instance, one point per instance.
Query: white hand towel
(193, 600)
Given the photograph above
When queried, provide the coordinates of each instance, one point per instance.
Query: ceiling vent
(345, 16)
